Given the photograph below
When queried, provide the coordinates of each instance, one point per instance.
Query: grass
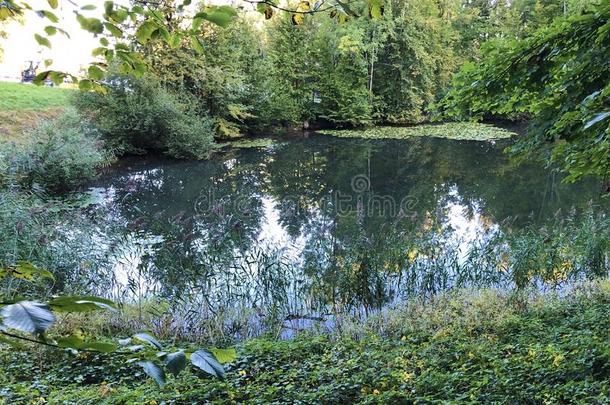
(22, 106)
(466, 131)
(18, 96)
(464, 347)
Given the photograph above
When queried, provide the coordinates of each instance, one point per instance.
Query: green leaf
(85, 85)
(225, 355)
(175, 362)
(114, 30)
(57, 77)
(174, 41)
(26, 270)
(206, 361)
(53, 3)
(145, 337)
(88, 7)
(196, 44)
(104, 41)
(375, 9)
(72, 341)
(28, 316)
(95, 72)
(92, 25)
(40, 77)
(221, 16)
(50, 30)
(103, 347)
(42, 40)
(108, 7)
(81, 303)
(49, 15)
(153, 371)
(145, 31)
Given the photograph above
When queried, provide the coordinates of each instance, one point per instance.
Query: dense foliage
(136, 115)
(560, 78)
(484, 347)
(59, 155)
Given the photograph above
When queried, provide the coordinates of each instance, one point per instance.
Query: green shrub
(140, 115)
(59, 155)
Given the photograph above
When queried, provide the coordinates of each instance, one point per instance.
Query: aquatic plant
(465, 131)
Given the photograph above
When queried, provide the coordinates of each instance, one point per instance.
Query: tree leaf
(375, 9)
(297, 19)
(81, 303)
(145, 31)
(175, 362)
(42, 41)
(225, 355)
(196, 44)
(56, 77)
(48, 15)
(219, 15)
(71, 341)
(50, 30)
(93, 25)
(85, 84)
(268, 12)
(26, 270)
(53, 3)
(154, 371)
(95, 72)
(28, 316)
(114, 30)
(206, 361)
(103, 347)
(145, 337)
(174, 41)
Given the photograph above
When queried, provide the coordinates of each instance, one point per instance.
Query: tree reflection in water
(317, 227)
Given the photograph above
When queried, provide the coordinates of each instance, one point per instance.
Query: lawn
(22, 106)
(18, 96)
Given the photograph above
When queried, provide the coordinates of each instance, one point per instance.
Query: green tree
(559, 78)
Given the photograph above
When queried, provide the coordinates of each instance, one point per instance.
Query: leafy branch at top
(123, 29)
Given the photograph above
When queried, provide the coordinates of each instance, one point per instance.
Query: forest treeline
(256, 75)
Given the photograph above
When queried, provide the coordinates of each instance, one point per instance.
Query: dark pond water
(315, 225)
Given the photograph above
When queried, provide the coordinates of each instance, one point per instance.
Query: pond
(305, 228)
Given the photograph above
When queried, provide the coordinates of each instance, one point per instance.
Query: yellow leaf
(297, 19)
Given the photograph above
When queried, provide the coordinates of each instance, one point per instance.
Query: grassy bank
(18, 96)
(22, 106)
(483, 347)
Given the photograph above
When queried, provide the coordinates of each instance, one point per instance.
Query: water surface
(318, 224)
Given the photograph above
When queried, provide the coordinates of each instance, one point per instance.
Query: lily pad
(247, 143)
(465, 131)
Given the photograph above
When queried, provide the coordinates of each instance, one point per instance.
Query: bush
(59, 155)
(140, 115)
